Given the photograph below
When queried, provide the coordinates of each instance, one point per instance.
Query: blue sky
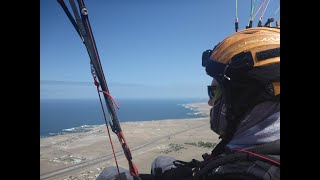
(148, 48)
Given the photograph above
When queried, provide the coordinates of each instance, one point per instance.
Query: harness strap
(260, 156)
(237, 156)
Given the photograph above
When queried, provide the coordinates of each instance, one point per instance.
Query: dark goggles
(241, 61)
(213, 68)
(214, 92)
(206, 57)
(211, 91)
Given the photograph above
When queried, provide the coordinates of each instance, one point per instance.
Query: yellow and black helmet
(255, 50)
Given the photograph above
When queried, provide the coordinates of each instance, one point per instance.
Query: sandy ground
(84, 155)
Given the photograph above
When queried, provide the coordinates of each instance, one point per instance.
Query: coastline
(54, 122)
(83, 155)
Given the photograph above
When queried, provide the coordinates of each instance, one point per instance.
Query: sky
(148, 48)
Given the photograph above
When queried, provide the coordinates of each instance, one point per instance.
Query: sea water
(59, 116)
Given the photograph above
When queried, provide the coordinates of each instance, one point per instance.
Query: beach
(84, 155)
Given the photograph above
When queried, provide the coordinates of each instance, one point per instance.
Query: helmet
(247, 67)
(255, 49)
(253, 39)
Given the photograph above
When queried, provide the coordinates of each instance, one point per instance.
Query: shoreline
(84, 155)
(196, 111)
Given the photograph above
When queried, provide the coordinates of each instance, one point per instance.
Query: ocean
(59, 116)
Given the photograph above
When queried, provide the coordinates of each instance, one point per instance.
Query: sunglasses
(214, 92)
